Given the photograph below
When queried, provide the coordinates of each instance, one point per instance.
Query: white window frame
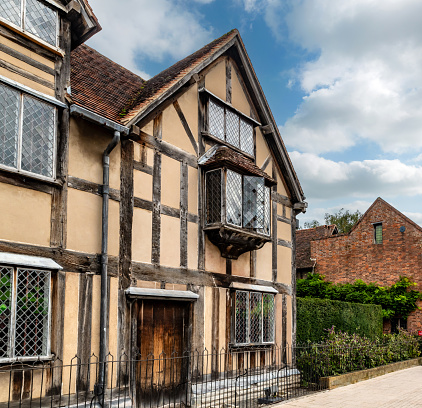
(21, 26)
(18, 169)
(12, 330)
(248, 320)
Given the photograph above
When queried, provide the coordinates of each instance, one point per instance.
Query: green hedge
(316, 316)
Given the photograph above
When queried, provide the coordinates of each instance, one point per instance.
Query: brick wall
(345, 258)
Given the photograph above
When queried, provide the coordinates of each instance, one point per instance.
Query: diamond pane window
(6, 277)
(232, 129)
(268, 315)
(38, 137)
(27, 133)
(246, 137)
(229, 126)
(254, 317)
(234, 198)
(213, 196)
(216, 120)
(378, 233)
(9, 125)
(241, 317)
(41, 21)
(253, 202)
(24, 312)
(11, 11)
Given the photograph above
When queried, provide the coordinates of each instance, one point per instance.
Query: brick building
(381, 247)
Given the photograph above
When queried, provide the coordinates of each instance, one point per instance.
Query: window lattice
(242, 317)
(11, 11)
(6, 277)
(41, 21)
(38, 137)
(253, 202)
(232, 128)
(268, 318)
(234, 198)
(267, 213)
(216, 120)
(378, 233)
(255, 318)
(213, 196)
(32, 304)
(246, 137)
(9, 126)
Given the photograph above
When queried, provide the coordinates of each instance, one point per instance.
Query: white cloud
(366, 83)
(414, 216)
(324, 179)
(144, 28)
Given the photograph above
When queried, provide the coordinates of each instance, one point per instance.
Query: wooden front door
(162, 340)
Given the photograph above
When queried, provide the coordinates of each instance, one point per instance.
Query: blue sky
(343, 80)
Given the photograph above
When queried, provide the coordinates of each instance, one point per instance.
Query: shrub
(343, 353)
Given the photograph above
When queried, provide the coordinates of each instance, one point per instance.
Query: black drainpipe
(101, 386)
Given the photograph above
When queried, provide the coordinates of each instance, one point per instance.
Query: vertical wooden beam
(84, 329)
(253, 264)
(228, 81)
(274, 229)
(294, 311)
(156, 195)
(125, 244)
(184, 185)
(228, 266)
(201, 187)
(215, 330)
(284, 327)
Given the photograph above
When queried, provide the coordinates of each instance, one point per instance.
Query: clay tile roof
(303, 243)
(223, 155)
(101, 85)
(163, 81)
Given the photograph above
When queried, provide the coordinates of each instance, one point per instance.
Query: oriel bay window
(27, 133)
(254, 318)
(32, 16)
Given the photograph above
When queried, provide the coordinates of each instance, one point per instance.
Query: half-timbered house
(138, 216)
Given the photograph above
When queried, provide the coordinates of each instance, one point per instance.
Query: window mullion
(23, 13)
(13, 315)
(20, 130)
(248, 318)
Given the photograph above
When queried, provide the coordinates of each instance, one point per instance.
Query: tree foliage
(344, 219)
(396, 300)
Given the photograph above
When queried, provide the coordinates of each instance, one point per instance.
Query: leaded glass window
(37, 18)
(378, 233)
(227, 125)
(234, 198)
(254, 316)
(24, 312)
(247, 201)
(27, 133)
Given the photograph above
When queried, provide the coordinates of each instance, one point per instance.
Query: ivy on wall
(398, 299)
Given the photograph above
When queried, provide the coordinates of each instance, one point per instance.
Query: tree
(344, 219)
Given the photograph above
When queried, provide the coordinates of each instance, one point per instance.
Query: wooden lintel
(284, 243)
(90, 187)
(140, 166)
(280, 199)
(283, 218)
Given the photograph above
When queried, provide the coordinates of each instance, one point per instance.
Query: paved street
(399, 390)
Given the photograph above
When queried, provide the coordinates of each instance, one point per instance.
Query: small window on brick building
(378, 233)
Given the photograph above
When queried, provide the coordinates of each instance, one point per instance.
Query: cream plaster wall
(192, 245)
(262, 151)
(242, 265)
(215, 79)
(281, 188)
(188, 103)
(239, 99)
(26, 51)
(284, 265)
(278, 319)
(142, 185)
(170, 241)
(95, 322)
(148, 284)
(289, 320)
(192, 190)
(288, 212)
(170, 182)
(174, 132)
(208, 323)
(214, 262)
(141, 235)
(84, 223)
(284, 231)
(71, 309)
(27, 82)
(26, 215)
(264, 263)
(222, 318)
(86, 146)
